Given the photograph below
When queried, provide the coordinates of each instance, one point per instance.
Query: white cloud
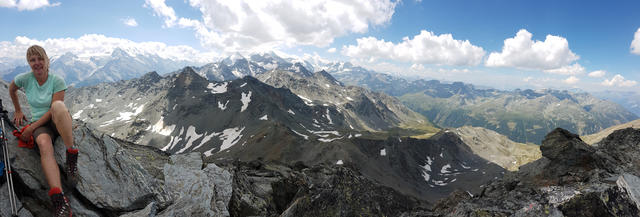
(7, 3)
(314, 59)
(575, 69)
(597, 74)
(522, 52)
(331, 50)
(417, 67)
(571, 80)
(635, 44)
(162, 10)
(130, 22)
(619, 81)
(27, 4)
(527, 79)
(245, 25)
(99, 45)
(425, 47)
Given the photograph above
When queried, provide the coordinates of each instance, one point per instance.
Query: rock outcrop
(571, 179)
(112, 181)
(275, 189)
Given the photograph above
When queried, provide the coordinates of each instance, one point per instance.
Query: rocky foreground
(118, 178)
(571, 179)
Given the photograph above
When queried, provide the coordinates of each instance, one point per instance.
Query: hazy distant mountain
(237, 66)
(523, 115)
(629, 100)
(355, 75)
(7, 64)
(120, 65)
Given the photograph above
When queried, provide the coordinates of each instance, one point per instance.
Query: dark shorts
(48, 128)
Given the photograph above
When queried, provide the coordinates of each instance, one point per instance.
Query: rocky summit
(571, 179)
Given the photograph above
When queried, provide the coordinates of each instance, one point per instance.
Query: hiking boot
(72, 169)
(60, 205)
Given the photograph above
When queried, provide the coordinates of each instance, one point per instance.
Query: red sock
(54, 191)
(72, 150)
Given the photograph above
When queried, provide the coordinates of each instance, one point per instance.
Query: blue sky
(590, 45)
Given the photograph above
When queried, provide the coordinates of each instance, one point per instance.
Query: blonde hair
(36, 50)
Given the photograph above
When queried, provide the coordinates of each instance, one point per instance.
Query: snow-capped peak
(231, 60)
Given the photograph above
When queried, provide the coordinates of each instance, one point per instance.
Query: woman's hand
(18, 117)
(26, 134)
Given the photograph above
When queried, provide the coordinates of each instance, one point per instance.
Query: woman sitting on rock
(49, 118)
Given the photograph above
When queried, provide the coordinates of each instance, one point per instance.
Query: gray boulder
(5, 206)
(108, 176)
(110, 180)
(630, 185)
(196, 191)
(149, 211)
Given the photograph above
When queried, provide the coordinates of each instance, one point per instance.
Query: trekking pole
(7, 164)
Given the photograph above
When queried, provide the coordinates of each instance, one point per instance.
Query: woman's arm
(18, 116)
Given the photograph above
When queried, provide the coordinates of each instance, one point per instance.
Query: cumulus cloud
(522, 52)
(260, 25)
(130, 22)
(99, 45)
(597, 74)
(331, 50)
(27, 4)
(635, 44)
(426, 48)
(571, 80)
(619, 81)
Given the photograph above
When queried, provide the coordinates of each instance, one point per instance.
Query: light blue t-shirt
(39, 97)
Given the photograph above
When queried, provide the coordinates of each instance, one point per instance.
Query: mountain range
(282, 140)
(118, 65)
(523, 115)
(245, 119)
(629, 100)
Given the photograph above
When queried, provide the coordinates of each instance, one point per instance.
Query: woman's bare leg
(48, 161)
(62, 119)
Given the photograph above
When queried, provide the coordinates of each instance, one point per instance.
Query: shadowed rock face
(566, 148)
(278, 190)
(571, 179)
